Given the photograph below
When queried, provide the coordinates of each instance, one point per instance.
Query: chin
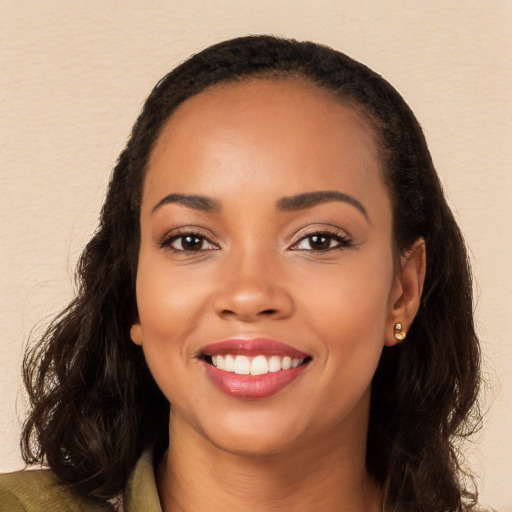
(247, 433)
(254, 444)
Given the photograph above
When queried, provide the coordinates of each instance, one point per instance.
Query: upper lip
(251, 347)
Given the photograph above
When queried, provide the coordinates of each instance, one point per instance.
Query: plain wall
(73, 78)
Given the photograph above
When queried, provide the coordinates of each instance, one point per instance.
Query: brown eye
(321, 242)
(189, 243)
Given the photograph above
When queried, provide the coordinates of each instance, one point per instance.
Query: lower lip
(251, 387)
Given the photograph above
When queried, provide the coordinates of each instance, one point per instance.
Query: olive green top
(40, 491)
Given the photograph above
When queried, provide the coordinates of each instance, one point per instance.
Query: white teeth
(274, 364)
(229, 363)
(242, 365)
(286, 363)
(259, 365)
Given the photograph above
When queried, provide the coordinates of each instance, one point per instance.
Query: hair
(95, 405)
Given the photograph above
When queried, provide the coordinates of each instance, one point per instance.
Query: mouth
(254, 365)
(252, 369)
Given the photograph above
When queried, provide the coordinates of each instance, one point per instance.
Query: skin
(248, 145)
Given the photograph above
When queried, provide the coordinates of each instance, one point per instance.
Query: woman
(277, 261)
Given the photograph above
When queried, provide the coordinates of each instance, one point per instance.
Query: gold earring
(399, 332)
(135, 334)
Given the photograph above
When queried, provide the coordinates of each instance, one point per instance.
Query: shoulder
(479, 508)
(40, 490)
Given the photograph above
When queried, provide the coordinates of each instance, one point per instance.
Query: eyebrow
(310, 199)
(285, 204)
(202, 203)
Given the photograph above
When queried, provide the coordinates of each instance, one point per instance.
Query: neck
(196, 476)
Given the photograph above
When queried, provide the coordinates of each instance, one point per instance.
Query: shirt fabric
(41, 491)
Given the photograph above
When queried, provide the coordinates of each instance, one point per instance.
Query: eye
(188, 243)
(321, 242)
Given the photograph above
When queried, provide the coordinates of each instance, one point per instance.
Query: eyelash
(167, 241)
(342, 240)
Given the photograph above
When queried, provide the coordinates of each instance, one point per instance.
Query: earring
(399, 332)
(135, 334)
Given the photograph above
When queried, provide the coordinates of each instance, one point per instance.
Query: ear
(136, 333)
(406, 293)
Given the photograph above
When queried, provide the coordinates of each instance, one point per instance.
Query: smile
(252, 369)
(259, 365)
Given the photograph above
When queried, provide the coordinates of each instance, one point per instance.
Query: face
(266, 250)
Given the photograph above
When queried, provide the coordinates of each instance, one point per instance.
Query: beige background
(74, 74)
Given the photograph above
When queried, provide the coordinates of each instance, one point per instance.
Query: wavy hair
(95, 406)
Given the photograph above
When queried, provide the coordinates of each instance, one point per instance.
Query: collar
(141, 494)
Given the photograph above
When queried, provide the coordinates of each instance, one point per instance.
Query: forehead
(287, 131)
(276, 99)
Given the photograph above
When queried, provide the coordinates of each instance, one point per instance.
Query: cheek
(355, 296)
(165, 318)
(167, 301)
(166, 310)
(349, 311)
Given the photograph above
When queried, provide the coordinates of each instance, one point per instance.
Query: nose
(251, 290)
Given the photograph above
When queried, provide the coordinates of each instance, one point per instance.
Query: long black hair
(95, 406)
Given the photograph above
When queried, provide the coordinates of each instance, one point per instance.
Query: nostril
(268, 312)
